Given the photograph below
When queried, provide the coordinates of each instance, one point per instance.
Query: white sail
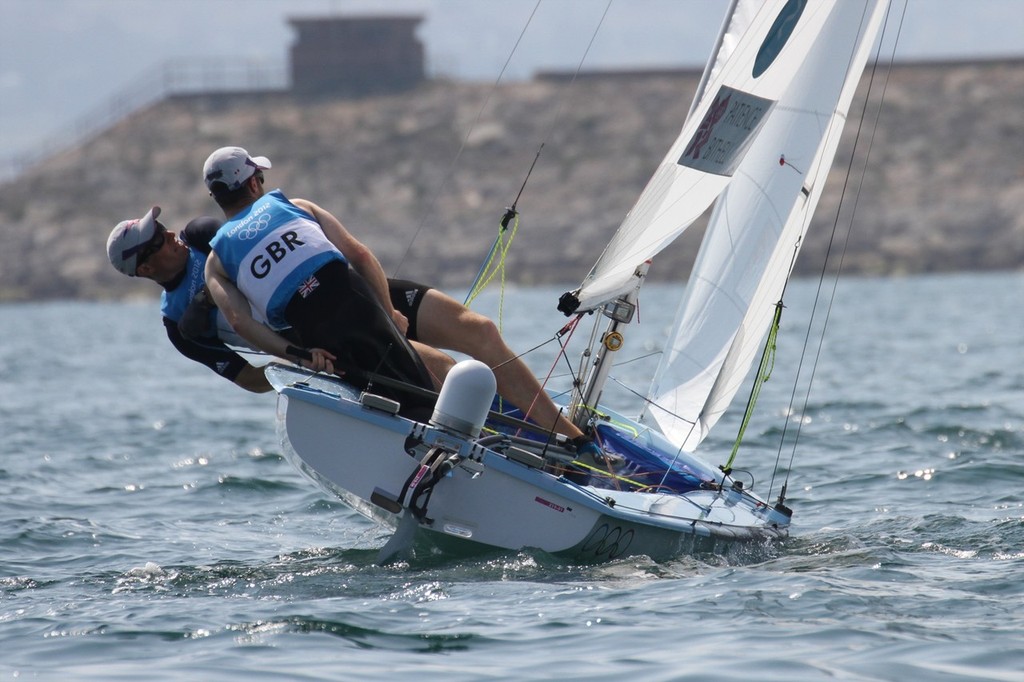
(738, 18)
(756, 230)
(755, 68)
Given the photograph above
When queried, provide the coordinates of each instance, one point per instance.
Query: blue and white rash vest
(270, 250)
(173, 302)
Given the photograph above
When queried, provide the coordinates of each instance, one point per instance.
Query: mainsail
(764, 45)
(757, 227)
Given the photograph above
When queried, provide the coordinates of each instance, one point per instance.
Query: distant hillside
(944, 188)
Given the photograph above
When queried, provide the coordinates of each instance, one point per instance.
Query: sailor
(144, 247)
(295, 266)
(286, 256)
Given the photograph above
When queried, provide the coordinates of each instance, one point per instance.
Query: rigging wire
(567, 331)
(462, 147)
(500, 246)
(579, 67)
(569, 327)
(843, 250)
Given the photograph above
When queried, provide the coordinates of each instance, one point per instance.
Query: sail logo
(703, 135)
(726, 131)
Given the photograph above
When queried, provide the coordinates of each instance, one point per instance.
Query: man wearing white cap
(270, 253)
(297, 267)
(143, 247)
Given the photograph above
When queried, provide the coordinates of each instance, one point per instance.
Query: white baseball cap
(129, 238)
(231, 166)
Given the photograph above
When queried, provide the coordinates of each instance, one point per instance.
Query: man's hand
(195, 321)
(315, 359)
(401, 321)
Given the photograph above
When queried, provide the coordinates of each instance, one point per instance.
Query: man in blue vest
(145, 248)
(296, 265)
(277, 264)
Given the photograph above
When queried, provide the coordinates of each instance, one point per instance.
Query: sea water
(150, 529)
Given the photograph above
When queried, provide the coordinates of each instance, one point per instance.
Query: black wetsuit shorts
(343, 316)
(406, 297)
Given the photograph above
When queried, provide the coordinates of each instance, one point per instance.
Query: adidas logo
(410, 296)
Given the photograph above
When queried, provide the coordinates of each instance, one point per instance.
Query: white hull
(360, 454)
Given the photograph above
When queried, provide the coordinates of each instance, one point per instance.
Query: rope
(499, 250)
(569, 328)
(764, 372)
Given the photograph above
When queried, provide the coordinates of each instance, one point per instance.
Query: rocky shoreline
(425, 177)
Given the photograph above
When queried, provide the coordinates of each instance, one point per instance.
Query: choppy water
(149, 528)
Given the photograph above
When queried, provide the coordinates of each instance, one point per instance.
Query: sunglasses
(145, 250)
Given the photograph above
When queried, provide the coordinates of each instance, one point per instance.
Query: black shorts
(343, 316)
(406, 297)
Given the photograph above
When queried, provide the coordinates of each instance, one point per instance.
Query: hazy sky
(63, 61)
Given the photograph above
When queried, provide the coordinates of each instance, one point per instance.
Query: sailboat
(757, 144)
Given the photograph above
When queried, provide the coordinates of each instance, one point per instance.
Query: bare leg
(443, 322)
(437, 362)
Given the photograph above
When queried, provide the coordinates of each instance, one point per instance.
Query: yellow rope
(764, 372)
(615, 477)
(494, 264)
(499, 251)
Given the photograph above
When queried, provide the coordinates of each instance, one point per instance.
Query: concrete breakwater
(424, 177)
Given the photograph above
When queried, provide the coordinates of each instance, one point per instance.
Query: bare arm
(237, 312)
(358, 255)
(253, 379)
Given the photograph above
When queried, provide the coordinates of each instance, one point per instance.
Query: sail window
(778, 35)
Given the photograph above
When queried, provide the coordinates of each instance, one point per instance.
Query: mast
(619, 313)
(710, 66)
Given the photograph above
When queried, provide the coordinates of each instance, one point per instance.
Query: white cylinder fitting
(465, 398)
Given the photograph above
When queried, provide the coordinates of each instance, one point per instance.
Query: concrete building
(335, 56)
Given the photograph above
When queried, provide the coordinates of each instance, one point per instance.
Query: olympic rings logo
(609, 541)
(253, 228)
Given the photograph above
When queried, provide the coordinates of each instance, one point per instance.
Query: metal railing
(174, 77)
